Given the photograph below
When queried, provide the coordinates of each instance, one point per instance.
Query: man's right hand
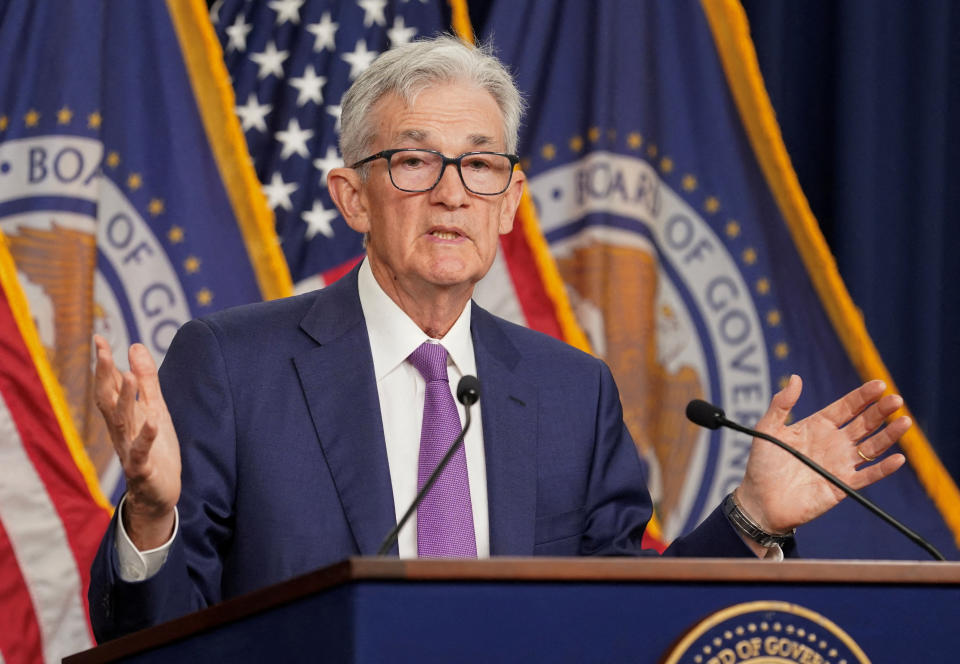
(143, 436)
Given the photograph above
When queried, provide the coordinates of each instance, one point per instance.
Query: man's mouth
(445, 235)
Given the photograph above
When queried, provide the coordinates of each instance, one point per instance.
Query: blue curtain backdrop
(867, 93)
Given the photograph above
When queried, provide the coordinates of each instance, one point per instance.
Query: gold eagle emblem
(61, 261)
(621, 282)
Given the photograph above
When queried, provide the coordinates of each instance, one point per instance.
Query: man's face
(446, 237)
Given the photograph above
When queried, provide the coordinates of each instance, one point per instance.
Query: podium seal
(766, 632)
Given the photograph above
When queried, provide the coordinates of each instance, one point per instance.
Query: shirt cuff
(136, 565)
(774, 554)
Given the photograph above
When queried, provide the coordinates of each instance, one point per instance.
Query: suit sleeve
(619, 501)
(196, 387)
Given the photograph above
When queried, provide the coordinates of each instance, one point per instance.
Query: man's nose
(450, 190)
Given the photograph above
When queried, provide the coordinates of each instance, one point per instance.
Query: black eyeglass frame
(458, 160)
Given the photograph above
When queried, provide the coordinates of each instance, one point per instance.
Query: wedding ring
(864, 456)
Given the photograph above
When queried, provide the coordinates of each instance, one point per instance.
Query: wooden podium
(571, 610)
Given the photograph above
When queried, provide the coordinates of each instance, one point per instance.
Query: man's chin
(455, 272)
(454, 281)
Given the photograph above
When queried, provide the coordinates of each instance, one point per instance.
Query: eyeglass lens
(419, 170)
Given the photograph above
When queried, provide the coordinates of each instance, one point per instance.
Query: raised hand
(145, 441)
(780, 493)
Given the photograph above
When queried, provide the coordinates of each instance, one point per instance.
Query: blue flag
(691, 257)
(290, 62)
(125, 190)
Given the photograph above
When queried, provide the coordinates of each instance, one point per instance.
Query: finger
(870, 420)
(853, 403)
(124, 415)
(141, 445)
(870, 474)
(145, 370)
(107, 379)
(882, 441)
(781, 405)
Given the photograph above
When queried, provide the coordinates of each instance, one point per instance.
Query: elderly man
(304, 426)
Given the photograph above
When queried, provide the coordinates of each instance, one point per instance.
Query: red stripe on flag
(650, 542)
(534, 300)
(19, 630)
(84, 521)
(335, 273)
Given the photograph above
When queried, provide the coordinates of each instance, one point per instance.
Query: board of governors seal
(766, 632)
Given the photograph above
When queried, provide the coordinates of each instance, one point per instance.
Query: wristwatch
(750, 528)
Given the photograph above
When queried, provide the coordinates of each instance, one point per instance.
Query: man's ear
(346, 190)
(511, 201)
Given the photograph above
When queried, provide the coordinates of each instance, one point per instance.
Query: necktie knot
(431, 361)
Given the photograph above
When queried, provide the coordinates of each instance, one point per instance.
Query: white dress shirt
(393, 336)
(401, 388)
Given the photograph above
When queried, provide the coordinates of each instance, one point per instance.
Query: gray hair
(408, 69)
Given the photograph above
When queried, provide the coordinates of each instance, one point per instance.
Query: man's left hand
(781, 493)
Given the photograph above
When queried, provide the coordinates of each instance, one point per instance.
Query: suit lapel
(510, 409)
(340, 387)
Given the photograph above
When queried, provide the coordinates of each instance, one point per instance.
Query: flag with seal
(690, 255)
(126, 191)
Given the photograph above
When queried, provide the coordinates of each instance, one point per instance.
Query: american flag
(290, 62)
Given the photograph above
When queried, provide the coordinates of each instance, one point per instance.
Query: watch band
(750, 528)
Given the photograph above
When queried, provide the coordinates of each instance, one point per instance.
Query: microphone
(468, 393)
(707, 415)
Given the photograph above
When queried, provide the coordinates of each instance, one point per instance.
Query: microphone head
(468, 390)
(705, 414)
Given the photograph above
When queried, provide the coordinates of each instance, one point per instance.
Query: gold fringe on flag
(215, 101)
(731, 32)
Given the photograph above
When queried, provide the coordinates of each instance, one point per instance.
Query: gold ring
(864, 456)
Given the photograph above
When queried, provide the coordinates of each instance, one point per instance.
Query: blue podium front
(574, 610)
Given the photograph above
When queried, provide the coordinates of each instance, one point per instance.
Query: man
(305, 425)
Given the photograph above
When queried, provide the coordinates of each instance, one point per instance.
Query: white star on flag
(329, 161)
(278, 192)
(289, 74)
(294, 139)
(334, 110)
(323, 33)
(318, 220)
(309, 86)
(359, 59)
(400, 33)
(215, 12)
(373, 12)
(238, 35)
(287, 10)
(252, 114)
(270, 61)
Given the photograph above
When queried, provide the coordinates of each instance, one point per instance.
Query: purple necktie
(445, 517)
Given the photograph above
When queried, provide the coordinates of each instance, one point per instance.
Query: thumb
(781, 405)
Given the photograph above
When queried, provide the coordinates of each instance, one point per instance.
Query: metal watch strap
(750, 528)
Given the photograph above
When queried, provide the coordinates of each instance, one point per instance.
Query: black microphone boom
(468, 393)
(710, 416)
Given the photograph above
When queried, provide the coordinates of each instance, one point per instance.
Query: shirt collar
(393, 335)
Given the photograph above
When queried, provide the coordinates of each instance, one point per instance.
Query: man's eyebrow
(480, 140)
(415, 135)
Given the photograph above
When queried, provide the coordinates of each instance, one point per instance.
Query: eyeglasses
(483, 173)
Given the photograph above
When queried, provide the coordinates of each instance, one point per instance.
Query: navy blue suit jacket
(285, 466)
